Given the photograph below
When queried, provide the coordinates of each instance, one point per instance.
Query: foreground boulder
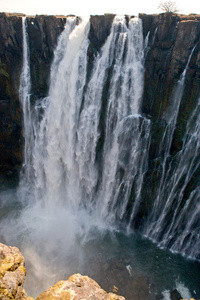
(78, 287)
(12, 274)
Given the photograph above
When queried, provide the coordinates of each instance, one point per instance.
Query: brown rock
(78, 287)
(12, 274)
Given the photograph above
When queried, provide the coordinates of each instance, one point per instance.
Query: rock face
(77, 287)
(169, 38)
(10, 113)
(170, 41)
(43, 34)
(12, 274)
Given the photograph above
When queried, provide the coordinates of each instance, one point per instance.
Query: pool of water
(57, 244)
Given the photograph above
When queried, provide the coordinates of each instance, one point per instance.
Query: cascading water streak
(64, 152)
(86, 157)
(123, 54)
(88, 143)
(166, 223)
(54, 152)
(24, 95)
(74, 185)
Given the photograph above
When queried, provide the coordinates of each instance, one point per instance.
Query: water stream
(86, 155)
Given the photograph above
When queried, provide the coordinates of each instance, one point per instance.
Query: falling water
(64, 151)
(87, 144)
(87, 150)
(24, 95)
(188, 164)
(166, 221)
(55, 176)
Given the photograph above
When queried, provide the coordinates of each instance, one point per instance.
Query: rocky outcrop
(78, 287)
(13, 272)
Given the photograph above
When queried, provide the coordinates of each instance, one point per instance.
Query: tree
(168, 7)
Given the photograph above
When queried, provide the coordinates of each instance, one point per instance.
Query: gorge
(100, 139)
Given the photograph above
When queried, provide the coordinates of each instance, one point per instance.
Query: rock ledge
(13, 272)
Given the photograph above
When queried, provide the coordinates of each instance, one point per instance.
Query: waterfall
(24, 96)
(55, 175)
(188, 164)
(123, 54)
(87, 143)
(167, 222)
(65, 166)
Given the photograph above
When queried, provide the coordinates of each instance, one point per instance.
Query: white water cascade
(166, 217)
(73, 184)
(64, 161)
(24, 95)
(87, 161)
(86, 144)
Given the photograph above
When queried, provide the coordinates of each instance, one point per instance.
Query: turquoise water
(131, 264)
(152, 270)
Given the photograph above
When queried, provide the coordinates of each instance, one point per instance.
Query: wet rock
(10, 112)
(43, 33)
(175, 295)
(99, 30)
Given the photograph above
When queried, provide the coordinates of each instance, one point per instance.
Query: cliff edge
(13, 272)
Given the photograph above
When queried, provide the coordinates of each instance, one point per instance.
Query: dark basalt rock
(10, 111)
(175, 295)
(99, 30)
(43, 33)
(171, 40)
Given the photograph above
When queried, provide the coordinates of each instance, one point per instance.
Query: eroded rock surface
(12, 274)
(78, 287)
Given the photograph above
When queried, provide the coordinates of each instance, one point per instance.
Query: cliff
(12, 277)
(10, 112)
(170, 40)
(44, 31)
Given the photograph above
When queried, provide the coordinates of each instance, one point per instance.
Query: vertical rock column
(10, 112)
